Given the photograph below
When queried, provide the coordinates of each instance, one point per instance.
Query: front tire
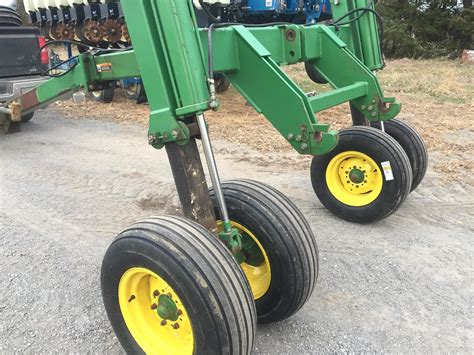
(281, 253)
(412, 144)
(365, 178)
(169, 286)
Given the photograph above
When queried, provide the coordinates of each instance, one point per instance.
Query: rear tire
(351, 180)
(286, 241)
(412, 144)
(9, 17)
(213, 304)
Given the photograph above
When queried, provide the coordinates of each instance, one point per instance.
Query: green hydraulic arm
(170, 55)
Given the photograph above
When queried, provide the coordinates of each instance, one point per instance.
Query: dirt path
(67, 187)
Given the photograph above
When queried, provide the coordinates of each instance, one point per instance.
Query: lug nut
(176, 326)
(163, 322)
(180, 312)
(156, 293)
(154, 306)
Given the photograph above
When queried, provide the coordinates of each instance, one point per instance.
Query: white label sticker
(268, 3)
(387, 170)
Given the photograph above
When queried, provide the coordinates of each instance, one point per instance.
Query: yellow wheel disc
(141, 294)
(354, 178)
(259, 276)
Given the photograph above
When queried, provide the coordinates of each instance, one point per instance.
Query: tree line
(426, 29)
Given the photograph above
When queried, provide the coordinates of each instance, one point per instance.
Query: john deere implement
(242, 252)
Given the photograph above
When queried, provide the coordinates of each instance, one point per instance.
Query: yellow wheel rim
(354, 178)
(259, 273)
(142, 294)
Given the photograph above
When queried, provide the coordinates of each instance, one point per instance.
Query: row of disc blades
(91, 31)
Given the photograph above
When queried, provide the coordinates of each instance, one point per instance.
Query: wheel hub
(357, 176)
(167, 309)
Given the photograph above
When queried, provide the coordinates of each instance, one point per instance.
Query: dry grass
(437, 98)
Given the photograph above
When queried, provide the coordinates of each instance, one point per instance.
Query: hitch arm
(348, 75)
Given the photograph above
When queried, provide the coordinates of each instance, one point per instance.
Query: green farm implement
(243, 252)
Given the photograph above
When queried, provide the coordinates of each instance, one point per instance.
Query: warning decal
(387, 170)
(104, 67)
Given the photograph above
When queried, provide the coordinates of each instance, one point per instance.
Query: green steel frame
(170, 54)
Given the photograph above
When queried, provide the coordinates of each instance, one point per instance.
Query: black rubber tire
(9, 17)
(286, 237)
(200, 270)
(412, 144)
(314, 74)
(28, 117)
(105, 96)
(380, 147)
(9, 20)
(222, 84)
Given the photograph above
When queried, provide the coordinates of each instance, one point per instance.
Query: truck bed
(19, 52)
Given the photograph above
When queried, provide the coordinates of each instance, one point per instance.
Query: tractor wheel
(171, 287)
(365, 178)
(105, 96)
(412, 144)
(279, 249)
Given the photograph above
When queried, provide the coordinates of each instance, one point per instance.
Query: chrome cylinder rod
(213, 172)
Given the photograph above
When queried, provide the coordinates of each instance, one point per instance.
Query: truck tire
(9, 17)
(28, 117)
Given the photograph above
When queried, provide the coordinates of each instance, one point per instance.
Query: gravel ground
(67, 187)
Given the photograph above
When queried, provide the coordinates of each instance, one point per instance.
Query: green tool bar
(114, 66)
(172, 61)
(336, 97)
